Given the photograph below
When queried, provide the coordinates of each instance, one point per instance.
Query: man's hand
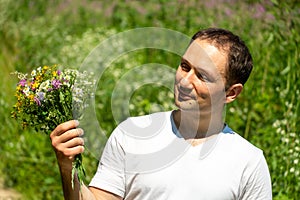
(67, 142)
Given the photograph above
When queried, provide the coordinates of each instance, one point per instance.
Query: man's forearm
(69, 192)
(80, 192)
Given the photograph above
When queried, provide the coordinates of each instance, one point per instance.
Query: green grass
(50, 32)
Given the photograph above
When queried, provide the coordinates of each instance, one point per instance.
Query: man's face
(200, 78)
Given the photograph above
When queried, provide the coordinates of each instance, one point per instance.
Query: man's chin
(190, 106)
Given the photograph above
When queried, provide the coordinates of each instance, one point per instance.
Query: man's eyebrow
(183, 60)
(198, 69)
(186, 61)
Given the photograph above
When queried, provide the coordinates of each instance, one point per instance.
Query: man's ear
(233, 92)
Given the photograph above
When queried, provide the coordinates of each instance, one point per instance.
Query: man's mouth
(183, 96)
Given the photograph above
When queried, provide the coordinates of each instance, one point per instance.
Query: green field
(36, 33)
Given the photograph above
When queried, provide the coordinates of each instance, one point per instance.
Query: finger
(63, 127)
(70, 134)
(67, 148)
(58, 141)
(73, 151)
(73, 143)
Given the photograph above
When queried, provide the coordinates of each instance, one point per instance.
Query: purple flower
(41, 96)
(58, 72)
(37, 101)
(56, 84)
(23, 82)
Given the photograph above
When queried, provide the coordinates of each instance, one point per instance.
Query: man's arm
(257, 182)
(67, 143)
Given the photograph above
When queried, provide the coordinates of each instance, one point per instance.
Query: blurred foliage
(35, 33)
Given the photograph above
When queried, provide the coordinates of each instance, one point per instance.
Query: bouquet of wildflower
(51, 96)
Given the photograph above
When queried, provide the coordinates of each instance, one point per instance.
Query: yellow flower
(54, 73)
(31, 97)
(35, 85)
(45, 67)
(19, 88)
(38, 78)
(18, 96)
(18, 106)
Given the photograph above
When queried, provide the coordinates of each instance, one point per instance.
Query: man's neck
(193, 125)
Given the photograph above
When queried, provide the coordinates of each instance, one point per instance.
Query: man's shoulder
(239, 144)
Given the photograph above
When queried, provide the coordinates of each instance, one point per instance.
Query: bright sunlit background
(37, 33)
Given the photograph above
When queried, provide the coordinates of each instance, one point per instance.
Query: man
(189, 153)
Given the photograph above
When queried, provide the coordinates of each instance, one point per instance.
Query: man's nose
(187, 80)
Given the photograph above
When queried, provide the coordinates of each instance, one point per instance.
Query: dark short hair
(239, 59)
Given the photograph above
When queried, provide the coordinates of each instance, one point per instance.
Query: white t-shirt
(146, 158)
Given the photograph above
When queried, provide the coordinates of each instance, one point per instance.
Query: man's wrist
(64, 167)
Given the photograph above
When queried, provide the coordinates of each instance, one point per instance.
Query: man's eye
(185, 67)
(203, 77)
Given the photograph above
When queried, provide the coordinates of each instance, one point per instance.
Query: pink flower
(37, 101)
(23, 82)
(56, 84)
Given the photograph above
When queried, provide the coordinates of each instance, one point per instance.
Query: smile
(184, 96)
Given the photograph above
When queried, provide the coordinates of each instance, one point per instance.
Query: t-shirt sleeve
(110, 172)
(256, 183)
